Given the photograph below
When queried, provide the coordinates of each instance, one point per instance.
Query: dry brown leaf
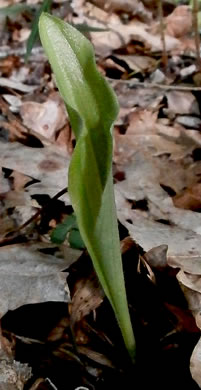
(17, 85)
(127, 145)
(120, 35)
(5, 183)
(188, 121)
(13, 375)
(48, 165)
(185, 320)
(5, 3)
(13, 101)
(180, 102)
(191, 287)
(145, 134)
(182, 244)
(189, 199)
(143, 178)
(190, 280)
(19, 180)
(142, 122)
(31, 276)
(128, 97)
(181, 236)
(95, 356)
(138, 63)
(87, 297)
(21, 35)
(134, 7)
(22, 207)
(178, 175)
(157, 257)
(44, 118)
(58, 331)
(179, 22)
(195, 363)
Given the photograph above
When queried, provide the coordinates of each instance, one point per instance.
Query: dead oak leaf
(180, 102)
(190, 198)
(119, 35)
(144, 133)
(88, 295)
(179, 22)
(48, 165)
(44, 118)
(31, 276)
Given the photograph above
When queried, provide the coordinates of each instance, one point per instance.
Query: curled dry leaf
(5, 3)
(31, 276)
(134, 7)
(180, 102)
(195, 363)
(95, 356)
(44, 118)
(13, 375)
(179, 22)
(119, 35)
(87, 297)
(138, 63)
(144, 133)
(21, 35)
(191, 287)
(189, 199)
(128, 97)
(180, 236)
(48, 165)
(188, 121)
(16, 85)
(22, 207)
(143, 178)
(157, 257)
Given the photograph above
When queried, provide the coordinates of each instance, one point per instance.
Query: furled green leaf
(45, 6)
(84, 27)
(14, 9)
(92, 107)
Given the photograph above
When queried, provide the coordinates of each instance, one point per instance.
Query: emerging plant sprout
(92, 107)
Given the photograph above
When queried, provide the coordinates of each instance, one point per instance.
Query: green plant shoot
(92, 107)
(34, 36)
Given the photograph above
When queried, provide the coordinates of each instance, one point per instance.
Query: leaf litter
(156, 166)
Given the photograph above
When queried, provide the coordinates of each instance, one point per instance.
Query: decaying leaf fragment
(29, 276)
(13, 375)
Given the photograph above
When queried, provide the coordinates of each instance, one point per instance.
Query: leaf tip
(44, 18)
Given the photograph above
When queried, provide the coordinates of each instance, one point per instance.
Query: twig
(51, 384)
(133, 84)
(9, 239)
(36, 384)
(162, 31)
(196, 32)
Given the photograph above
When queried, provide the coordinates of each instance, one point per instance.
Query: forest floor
(58, 329)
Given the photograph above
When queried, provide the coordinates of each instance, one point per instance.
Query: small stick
(162, 31)
(7, 240)
(196, 32)
(132, 84)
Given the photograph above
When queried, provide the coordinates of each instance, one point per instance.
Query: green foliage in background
(14, 10)
(34, 36)
(68, 226)
(92, 107)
